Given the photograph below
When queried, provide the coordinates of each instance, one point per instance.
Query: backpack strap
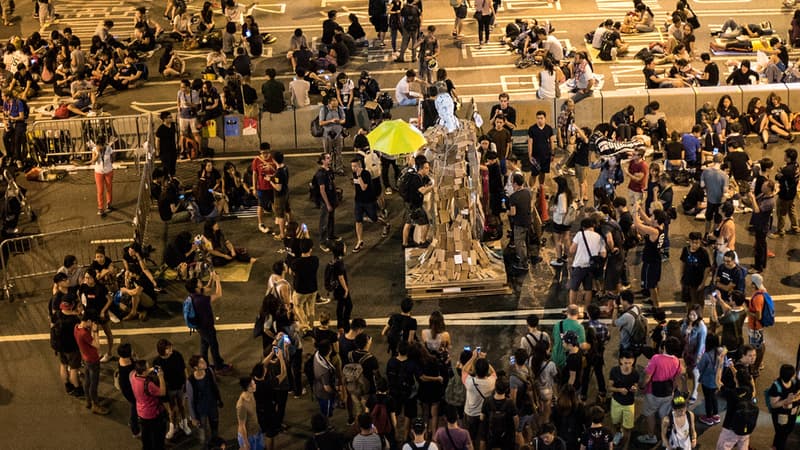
(450, 437)
(478, 389)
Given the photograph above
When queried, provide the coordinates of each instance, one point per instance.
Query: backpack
(455, 393)
(331, 280)
(56, 333)
(410, 443)
(410, 16)
(385, 100)
(638, 335)
(189, 314)
(401, 383)
(497, 420)
(689, 418)
(745, 417)
(395, 333)
(316, 129)
(597, 442)
(353, 376)
(404, 181)
(740, 283)
(616, 233)
(523, 402)
(778, 385)
(768, 312)
(381, 419)
(606, 45)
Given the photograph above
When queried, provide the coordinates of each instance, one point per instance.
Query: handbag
(693, 21)
(596, 262)
(477, 15)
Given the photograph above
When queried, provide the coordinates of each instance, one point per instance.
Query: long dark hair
(563, 188)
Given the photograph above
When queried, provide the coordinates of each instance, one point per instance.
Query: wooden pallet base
(456, 292)
(433, 290)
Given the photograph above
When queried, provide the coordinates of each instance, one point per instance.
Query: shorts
(523, 422)
(381, 23)
(711, 210)
(651, 275)
(660, 405)
(280, 205)
(613, 273)
(622, 414)
(415, 215)
(461, 11)
(70, 359)
(544, 166)
(580, 172)
(581, 276)
(265, 198)
(546, 395)
(755, 337)
(409, 407)
(82, 102)
(560, 228)
(187, 126)
(173, 395)
(365, 209)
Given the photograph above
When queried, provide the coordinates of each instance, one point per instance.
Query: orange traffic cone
(541, 205)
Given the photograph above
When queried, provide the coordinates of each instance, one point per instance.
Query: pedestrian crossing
(85, 21)
(624, 5)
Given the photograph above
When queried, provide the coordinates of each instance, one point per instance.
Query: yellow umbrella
(396, 137)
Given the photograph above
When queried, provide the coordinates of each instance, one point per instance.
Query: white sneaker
(113, 317)
(647, 439)
(172, 430)
(263, 228)
(106, 358)
(185, 427)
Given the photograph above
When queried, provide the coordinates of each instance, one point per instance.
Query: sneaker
(753, 270)
(388, 191)
(78, 392)
(113, 317)
(185, 427)
(770, 254)
(100, 410)
(386, 229)
(106, 358)
(717, 418)
(556, 262)
(617, 438)
(263, 228)
(647, 439)
(137, 435)
(101, 213)
(324, 248)
(172, 431)
(707, 420)
(358, 247)
(322, 300)
(692, 400)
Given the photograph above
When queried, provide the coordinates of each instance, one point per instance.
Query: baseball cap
(757, 280)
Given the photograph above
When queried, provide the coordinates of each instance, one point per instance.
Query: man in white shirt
(299, 89)
(478, 388)
(586, 244)
(583, 77)
(402, 92)
(597, 39)
(550, 43)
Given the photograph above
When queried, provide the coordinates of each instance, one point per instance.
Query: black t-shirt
(713, 75)
(166, 138)
(775, 111)
(329, 440)
(325, 178)
(783, 55)
(346, 346)
(241, 65)
(777, 389)
(339, 270)
(541, 142)
(406, 323)
(509, 113)
(174, 370)
(203, 311)
(490, 405)
(282, 177)
(67, 338)
(168, 197)
(695, 265)
(574, 364)
(596, 438)
(626, 222)
(620, 380)
(305, 274)
(328, 335)
(521, 201)
(738, 163)
(96, 296)
(648, 73)
(366, 195)
(787, 179)
(674, 150)
(496, 185)
(125, 382)
(582, 150)
(101, 266)
(501, 139)
(415, 197)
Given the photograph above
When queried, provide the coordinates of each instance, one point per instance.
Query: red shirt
(84, 338)
(148, 404)
(638, 167)
(756, 307)
(264, 169)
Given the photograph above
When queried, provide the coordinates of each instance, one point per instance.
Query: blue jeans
(411, 101)
(91, 379)
(326, 407)
(326, 222)
(256, 441)
(208, 339)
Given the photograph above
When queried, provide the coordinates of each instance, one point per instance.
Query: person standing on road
(203, 399)
(763, 204)
(695, 269)
(428, 53)
(167, 143)
(484, 13)
(149, 385)
(787, 179)
(171, 362)
(783, 396)
(460, 12)
(263, 171)
(755, 329)
(661, 373)
(64, 319)
(86, 335)
(506, 111)
(203, 299)
(125, 368)
(652, 231)
(332, 120)
(325, 179)
(715, 182)
(379, 18)
(280, 187)
(304, 268)
(569, 323)
(479, 387)
(418, 185)
(248, 429)
(585, 245)
(103, 160)
(519, 213)
(188, 106)
(325, 381)
(541, 140)
(366, 203)
(410, 23)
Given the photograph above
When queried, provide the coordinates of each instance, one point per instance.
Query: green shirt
(559, 356)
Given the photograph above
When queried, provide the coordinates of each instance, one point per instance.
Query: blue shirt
(708, 369)
(691, 146)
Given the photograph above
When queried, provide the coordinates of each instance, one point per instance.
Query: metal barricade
(59, 141)
(26, 259)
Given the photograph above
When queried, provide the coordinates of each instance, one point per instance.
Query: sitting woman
(622, 122)
(170, 64)
(204, 199)
(754, 120)
(356, 31)
(252, 37)
(639, 21)
(206, 18)
(216, 62)
(104, 268)
(222, 250)
(297, 41)
(779, 119)
(131, 297)
(180, 254)
(234, 186)
(727, 112)
(673, 158)
(182, 26)
(215, 184)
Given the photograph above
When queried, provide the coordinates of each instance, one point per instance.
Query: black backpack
(606, 46)
(331, 279)
(404, 181)
(498, 420)
(395, 334)
(745, 416)
(385, 100)
(410, 16)
(638, 334)
(410, 443)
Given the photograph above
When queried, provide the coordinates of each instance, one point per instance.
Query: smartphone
(156, 369)
(211, 190)
(478, 348)
(467, 348)
(275, 350)
(286, 339)
(181, 196)
(513, 360)
(305, 228)
(716, 150)
(355, 180)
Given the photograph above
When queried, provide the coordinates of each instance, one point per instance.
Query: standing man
(332, 119)
(541, 140)
(65, 318)
(652, 229)
(428, 51)
(325, 180)
(167, 143)
(171, 362)
(418, 185)
(16, 112)
(694, 270)
(787, 179)
(366, 203)
(519, 214)
(763, 204)
(248, 431)
(715, 183)
(625, 318)
(325, 381)
(280, 189)
(660, 376)
(88, 339)
(478, 377)
(460, 12)
(637, 173)
(505, 110)
(570, 323)
(501, 137)
(188, 105)
(305, 268)
(410, 16)
(379, 18)
(755, 329)
(202, 298)
(263, 170)
(585, 245)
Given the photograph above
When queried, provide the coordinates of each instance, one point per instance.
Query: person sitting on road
(170, 64)
(597, 37)
(216, 62)
(403, 94)
(221, 249)
(654, 81)
(83, 95)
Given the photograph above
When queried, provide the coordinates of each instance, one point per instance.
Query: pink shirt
(662, 368)
(148, 405)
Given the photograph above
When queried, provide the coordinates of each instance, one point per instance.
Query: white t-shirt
(474, 400)
(104, 163)
(299, 89)
(431, 446)
(597, 39)
(553, 45)
(596, 245)
(402, 91)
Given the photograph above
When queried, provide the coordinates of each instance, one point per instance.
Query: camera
(198, 240)
(478, 349)
(467, 348)
(275, 350)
